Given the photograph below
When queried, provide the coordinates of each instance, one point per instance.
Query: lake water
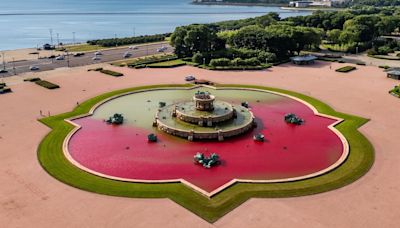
(27, 23)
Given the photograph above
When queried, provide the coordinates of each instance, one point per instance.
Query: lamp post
(4, 62)
(15, 71)
(73, 37)
(67, 59)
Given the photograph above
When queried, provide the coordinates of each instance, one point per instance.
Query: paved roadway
(109, 55)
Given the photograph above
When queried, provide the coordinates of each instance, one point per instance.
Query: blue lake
(27, 23)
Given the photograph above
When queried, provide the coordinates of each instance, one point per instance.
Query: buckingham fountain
(204, 117)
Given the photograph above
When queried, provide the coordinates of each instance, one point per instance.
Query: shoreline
(238, 4)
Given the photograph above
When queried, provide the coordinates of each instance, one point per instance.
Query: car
(96, 58)
(61, 57)
(190, 78)
(127, 55)
(2, 71)
(162, 49)
(98, 53)
(133, 47)
(79, 54)
(33, 68)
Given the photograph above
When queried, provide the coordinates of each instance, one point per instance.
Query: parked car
(33, 68)
(96, 58)
(127, 55)
(190, 78)
(133, 47)
(98, 53)
(2, 71)
(61, 57)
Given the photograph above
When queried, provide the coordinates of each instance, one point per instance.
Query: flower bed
(112, 73)
(47, 84)
(346, 69)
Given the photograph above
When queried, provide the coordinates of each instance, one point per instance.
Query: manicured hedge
(96, 69)
(152, 60)
(168, 64)
(47, 84)
(5, 89)
(240, 67)
(346, 69)
(112, 73)
(32, 79)
(129, 40)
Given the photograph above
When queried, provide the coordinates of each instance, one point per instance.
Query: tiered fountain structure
(204, 118)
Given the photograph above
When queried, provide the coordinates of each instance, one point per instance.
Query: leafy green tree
(195, 38)
(334, 35)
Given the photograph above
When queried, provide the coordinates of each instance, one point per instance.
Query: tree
(250, 37)
(196, 38)
(334, 35)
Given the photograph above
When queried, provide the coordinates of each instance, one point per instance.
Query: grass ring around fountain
(52, 159)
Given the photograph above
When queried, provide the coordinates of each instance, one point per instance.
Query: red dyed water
(290, 151)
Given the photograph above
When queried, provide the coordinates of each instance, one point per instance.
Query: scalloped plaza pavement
(28, 195)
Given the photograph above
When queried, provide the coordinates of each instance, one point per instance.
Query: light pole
(134, 31)
(204, 61)
(4, 62)
(67, 59)
(58, 39)
(51, 37)
(15, 71)
(73, 37)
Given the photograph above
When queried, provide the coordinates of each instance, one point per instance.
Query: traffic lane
(108, 56)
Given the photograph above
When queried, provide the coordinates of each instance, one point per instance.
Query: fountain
(204, 118)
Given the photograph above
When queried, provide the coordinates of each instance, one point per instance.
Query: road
(108, 55)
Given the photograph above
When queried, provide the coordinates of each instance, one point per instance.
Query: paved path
(29, 197)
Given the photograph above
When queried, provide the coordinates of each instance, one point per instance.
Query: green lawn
(82, 48)
(87, 47)
(167, 64)
(50, 155)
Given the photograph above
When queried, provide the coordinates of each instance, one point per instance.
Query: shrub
(2, 84)
(398, 54)
(96, 69)
(384, 50)
(252, 62)
(5, 89)
(384, 67)
(220, 62)
(112, 73)
(264, 56)
(150, 60)
(346, 69)
(238, 62)
(140, 66)
(47, 85)
(198, 58)
(31, 79)
(361, 64)
(395, 91)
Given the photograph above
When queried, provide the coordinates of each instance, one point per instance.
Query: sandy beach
(29, 195)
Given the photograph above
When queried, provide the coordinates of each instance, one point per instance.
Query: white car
(98, 53)
(33, 68)
(61, 57)
(162, 49)
(133, 47)
(96, 58)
